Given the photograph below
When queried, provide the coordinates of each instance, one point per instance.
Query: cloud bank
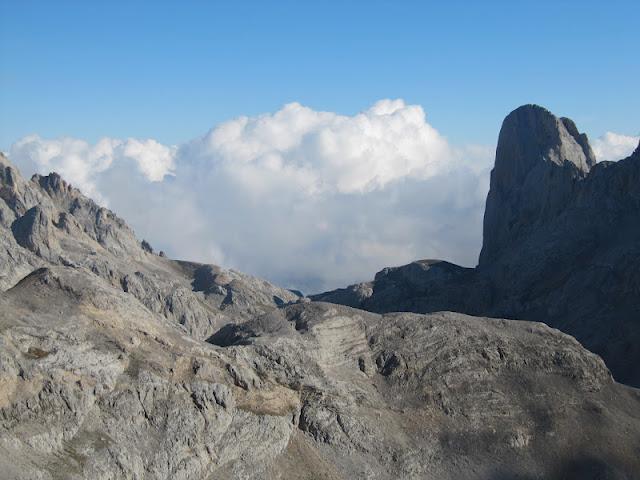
(613, 146)
(308, 199)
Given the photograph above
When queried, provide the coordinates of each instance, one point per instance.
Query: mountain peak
(53, 184)
(531, 134)
(538, 158)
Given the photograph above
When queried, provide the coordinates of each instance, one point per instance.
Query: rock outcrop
(539, 160)
(34, 231)
(561, 246)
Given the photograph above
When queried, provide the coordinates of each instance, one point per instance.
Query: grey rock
(146, 246)
(98, 223)
(538, 161)
(421, 286)
(95, 385)
(437, 396)
(34, 231)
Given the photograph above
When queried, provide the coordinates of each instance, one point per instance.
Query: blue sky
(172, 70)
(289, 139)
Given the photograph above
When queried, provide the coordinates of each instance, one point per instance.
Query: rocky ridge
(46, 222)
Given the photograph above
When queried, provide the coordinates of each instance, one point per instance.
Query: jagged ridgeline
(117, 362)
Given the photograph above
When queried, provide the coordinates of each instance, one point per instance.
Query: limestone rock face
(561, 245)
(34, 231)
(96, 222)
(538, 160)
(421, 286)
(96, 386)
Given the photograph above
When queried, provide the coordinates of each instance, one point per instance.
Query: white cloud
(326, 152)
(308, 199)
(613, 146)
(81, 163)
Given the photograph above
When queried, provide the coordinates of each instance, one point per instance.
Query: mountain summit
(538, 159)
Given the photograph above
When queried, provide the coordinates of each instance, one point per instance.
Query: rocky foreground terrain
(117, 362)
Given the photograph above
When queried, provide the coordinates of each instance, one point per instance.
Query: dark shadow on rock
(582, 467)
(227, 336)
(203, 278)
(590, 468)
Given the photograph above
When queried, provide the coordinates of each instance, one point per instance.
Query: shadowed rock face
(34, 232)
(561, 245)
(539, 158)
(104, 371)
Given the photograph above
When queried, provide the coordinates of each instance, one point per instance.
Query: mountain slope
(97, 386)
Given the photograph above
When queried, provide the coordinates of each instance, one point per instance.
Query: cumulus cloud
(322, 152)
(613, 146)
(308, 199)
(81, 163)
